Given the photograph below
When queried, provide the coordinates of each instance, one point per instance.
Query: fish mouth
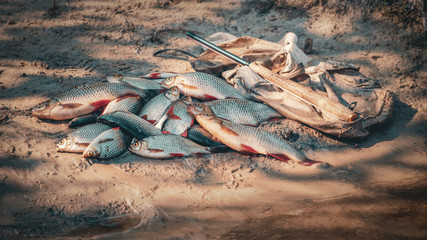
(192, 110)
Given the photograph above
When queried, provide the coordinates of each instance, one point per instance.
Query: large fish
(127, 104)
(243, 111)
(138, 82)
(179, 120)
(85, 99)
(202, 86)
(78, 140)
(135, 125)
(108, 144)
(166, 146)
(246, 139)
(154, 109)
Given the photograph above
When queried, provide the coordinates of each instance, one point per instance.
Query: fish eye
(90, 153)
(135, 145)
(173, 89)
(40, 106)
(62, 142)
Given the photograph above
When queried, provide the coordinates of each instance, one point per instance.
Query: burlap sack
(339, 81)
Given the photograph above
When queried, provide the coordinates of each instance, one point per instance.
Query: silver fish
(243, 111)
(166, 146)
(179, 120)
(78, 140)
(202, 86)
(156, 107)
(85, 99)
(108, 144)
(127, 104)
(135, 125)
(246, 139)
(139, 82)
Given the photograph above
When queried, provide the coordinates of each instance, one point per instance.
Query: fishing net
(338, 81)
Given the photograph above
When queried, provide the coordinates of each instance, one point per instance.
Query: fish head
(138, 146)
(65, 144)
(116, 78)
(187, 99)
(91, 152)
(200, 110)
(172, 81)
(43, 110)
(172, 93)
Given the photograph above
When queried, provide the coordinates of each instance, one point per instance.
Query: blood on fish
(71, 105)
(248, 149)
(100, 104)
(177, 154)
(210, 97)
(229, 131)
(281, 157)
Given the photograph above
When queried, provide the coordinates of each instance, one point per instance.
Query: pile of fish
(164, 115)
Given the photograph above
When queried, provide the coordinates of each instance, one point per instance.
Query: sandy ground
(376, 188)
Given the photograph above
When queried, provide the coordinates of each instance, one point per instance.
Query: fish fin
(210, 97)
(152, 121)
(218, 149)
(273, 119)
(100, 104)
(71, 105)
(309, 162)
(281, 157)
(228, 130)
(166, 132)
(192, 122)
(144, 116)
(247, 148)
(116, 128)
(154, 75)
(185, 134)
(106, 140)
(172, 115)
(177, 154)
(82, 144)
(154, 150)
(188, 86)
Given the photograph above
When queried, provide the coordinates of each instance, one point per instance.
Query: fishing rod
(303, 93)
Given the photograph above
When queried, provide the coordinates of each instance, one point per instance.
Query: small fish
(199, 135)
(127, 104)
(246, 139)
(78, 140)
(159, 75)
(179, 120)
(166, 146)
(202, 86)
(243, 111)
(108, 144)
(85, 99)
(135, 125)
(139, 82)
(83, 120)
(154, 109)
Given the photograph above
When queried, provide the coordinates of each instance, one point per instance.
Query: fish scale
(166, 146)
(78, 140)
(246, 139)
(137, 126)
(243, 111)
(109, 144)
(179, 120)
(203, 86)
